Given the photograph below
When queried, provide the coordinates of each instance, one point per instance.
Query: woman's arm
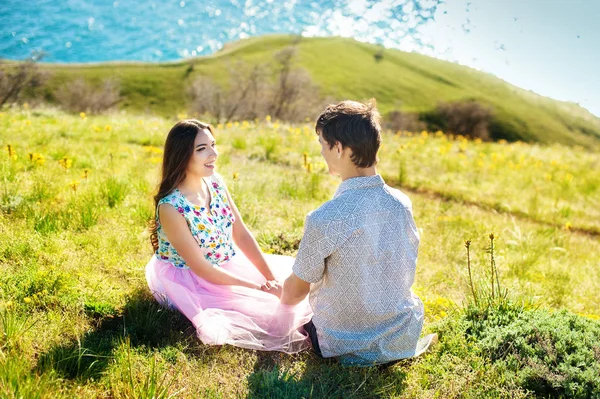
(246, 242)
(181, 238)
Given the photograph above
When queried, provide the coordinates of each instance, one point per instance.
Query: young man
(359, 251)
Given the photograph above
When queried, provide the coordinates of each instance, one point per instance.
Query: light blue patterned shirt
(359, 252)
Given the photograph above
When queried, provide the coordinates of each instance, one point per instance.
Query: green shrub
(552, 354)
(468, 118)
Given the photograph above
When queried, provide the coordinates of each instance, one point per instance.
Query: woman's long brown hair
(179, 147)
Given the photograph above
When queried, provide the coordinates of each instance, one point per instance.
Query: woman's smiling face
(202, 162)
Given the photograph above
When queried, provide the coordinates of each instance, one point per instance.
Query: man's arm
(294, 290)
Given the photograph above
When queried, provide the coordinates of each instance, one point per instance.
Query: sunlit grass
(76, 319)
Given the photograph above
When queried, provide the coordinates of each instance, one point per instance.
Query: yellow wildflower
(66, 163)
(108, 128)
(236, 176)
(85, 173)
(305, 157)
(309, 167)
(27, 299)
(153, 149)
(37, 159)
(219, 126)
(568, 226)
(74, 185)
(268, 118)
(568, 177)
(82, 115)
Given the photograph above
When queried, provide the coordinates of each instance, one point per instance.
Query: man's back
(360, 251)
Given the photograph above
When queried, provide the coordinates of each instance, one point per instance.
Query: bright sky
(551, 47)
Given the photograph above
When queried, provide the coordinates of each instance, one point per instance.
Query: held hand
(273, 287)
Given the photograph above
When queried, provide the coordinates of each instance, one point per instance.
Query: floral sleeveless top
(212, 228)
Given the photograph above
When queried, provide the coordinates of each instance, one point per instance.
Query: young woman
(206, 263)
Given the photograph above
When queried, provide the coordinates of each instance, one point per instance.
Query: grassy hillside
(344, 68)
(77, 321)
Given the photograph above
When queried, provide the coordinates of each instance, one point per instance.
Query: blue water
(93, 31)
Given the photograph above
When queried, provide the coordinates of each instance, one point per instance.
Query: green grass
(344, 68)
(76, 318)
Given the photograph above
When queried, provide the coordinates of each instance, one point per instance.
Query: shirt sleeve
(315, 247)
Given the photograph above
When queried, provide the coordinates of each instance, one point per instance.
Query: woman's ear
(339, 148)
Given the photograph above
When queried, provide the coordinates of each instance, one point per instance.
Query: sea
(84, 31)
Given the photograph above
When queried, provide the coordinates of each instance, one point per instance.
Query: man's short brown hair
(356, 126)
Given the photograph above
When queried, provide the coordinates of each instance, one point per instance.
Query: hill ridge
(346, 68)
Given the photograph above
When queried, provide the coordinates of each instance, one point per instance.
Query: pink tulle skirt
(227, 314)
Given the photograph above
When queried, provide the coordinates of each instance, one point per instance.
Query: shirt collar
(359, 182)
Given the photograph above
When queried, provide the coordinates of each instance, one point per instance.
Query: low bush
(281, 91)
(399, 121)
(466, 118)
(552, 354)
(80, 96)
(22, 78)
